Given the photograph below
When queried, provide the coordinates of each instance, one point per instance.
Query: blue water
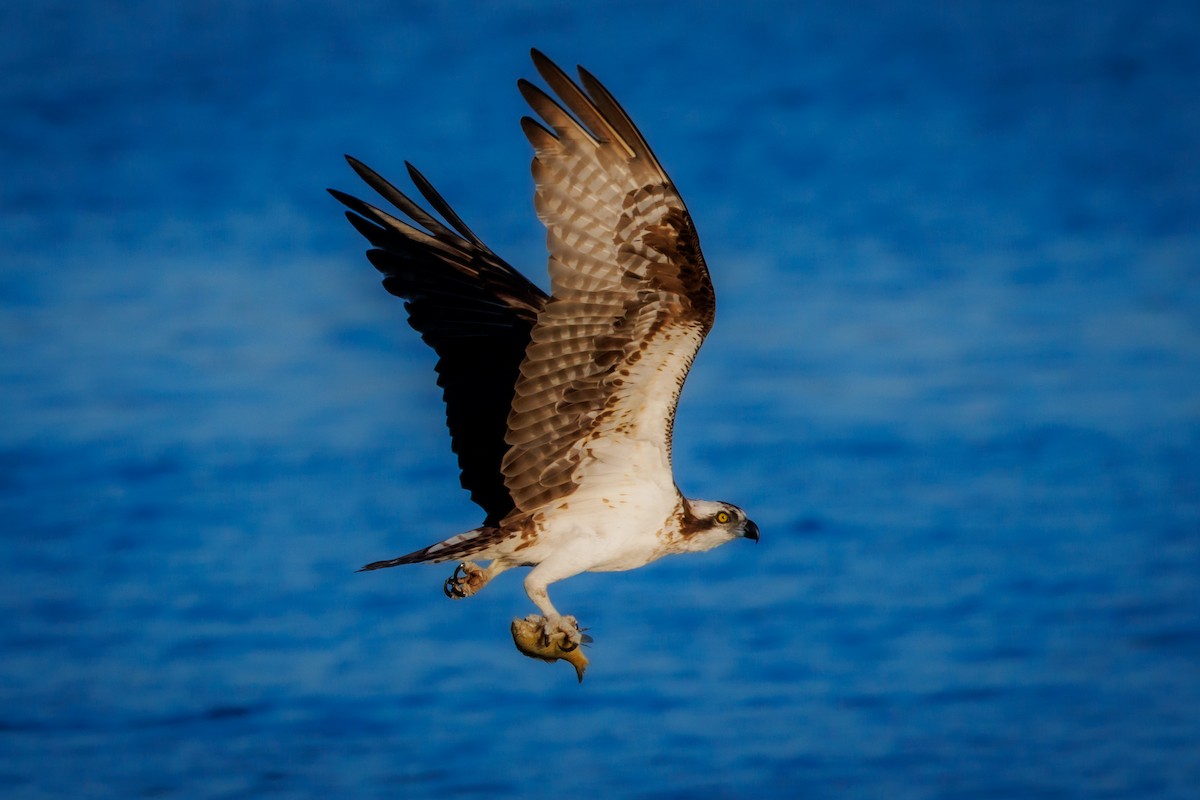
(955, 378)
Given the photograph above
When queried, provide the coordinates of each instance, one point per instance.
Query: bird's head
(712, 523)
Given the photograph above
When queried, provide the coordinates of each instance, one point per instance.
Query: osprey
(561, 408)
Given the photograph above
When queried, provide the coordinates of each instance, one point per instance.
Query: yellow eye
(722, 517)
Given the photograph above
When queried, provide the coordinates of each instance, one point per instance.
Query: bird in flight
(560, 407)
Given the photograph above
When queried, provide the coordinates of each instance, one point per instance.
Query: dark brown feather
(471, 307)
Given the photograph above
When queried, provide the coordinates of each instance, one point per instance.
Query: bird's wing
(470, 306)
(631, 300)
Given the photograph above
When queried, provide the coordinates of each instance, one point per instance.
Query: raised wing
(631, 300)
(470, 306)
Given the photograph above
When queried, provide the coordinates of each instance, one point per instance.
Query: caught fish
(533, 639)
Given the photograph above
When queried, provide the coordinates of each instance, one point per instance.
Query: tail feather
(459, 546)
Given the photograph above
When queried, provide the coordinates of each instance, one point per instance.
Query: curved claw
(453, 585)
(568, 641)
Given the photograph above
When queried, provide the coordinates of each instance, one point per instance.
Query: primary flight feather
(561, 407)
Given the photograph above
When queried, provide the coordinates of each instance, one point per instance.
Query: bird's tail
(461, 545)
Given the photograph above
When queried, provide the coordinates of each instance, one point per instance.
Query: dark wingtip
(543, 63)
(363, 171)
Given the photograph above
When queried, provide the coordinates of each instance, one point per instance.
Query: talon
(568, 645)
(453, 587)
(466, 581)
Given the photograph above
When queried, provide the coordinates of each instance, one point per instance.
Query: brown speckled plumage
(630, 290)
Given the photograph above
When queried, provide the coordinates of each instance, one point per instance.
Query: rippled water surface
(955, 378)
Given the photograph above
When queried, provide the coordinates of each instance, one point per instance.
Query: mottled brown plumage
(630, 292)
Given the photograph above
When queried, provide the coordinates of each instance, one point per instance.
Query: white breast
(607, 526)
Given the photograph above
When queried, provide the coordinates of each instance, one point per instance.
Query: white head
(711, 523)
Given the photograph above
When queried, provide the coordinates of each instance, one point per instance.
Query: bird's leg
(551, 636)
(469, 578)
(561, 631)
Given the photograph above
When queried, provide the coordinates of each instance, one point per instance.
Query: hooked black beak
(750, 531)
